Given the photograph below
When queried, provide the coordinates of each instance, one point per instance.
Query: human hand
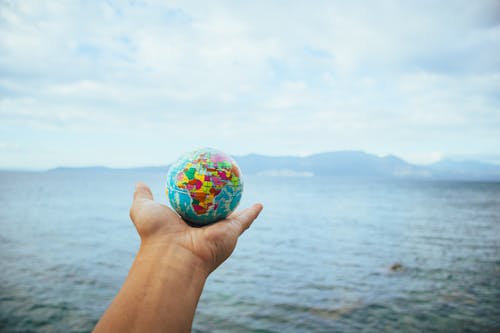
(206, 247)
(166, 279)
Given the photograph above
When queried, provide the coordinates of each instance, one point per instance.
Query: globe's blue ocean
(318, 259)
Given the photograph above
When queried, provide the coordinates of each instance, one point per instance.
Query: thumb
(243, 219)
(142, 191)
(142, 194)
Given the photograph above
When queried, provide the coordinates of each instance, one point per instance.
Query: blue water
(317, 260)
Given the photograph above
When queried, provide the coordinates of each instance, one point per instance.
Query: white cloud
(387, 77)
(9, 146)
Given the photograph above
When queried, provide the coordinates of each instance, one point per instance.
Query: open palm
(157, 224)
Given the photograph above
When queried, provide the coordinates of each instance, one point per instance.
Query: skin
(167, 276)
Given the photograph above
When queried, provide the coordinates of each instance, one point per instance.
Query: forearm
(160, 293)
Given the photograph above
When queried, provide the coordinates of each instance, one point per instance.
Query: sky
(135, 83)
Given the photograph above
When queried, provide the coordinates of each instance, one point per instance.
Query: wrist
(171, 258)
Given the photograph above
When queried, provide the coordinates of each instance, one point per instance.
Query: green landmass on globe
(204, 186)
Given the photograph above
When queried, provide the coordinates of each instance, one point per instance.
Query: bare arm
(167, 277)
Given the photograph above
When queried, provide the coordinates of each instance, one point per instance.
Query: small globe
(204, 186)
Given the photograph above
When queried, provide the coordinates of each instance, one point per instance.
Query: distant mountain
(358, 164)
(473, 170)
(354, 164)
(345, 164)
(102, 169)
(80, 169)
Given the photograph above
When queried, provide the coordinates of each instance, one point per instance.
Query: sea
(325, 255)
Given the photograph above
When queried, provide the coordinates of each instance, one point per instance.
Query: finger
(243, 219)
(142, 194)
(142, 191)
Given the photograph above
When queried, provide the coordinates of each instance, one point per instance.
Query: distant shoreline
(343, 164)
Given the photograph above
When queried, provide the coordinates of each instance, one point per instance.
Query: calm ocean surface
(317, 260)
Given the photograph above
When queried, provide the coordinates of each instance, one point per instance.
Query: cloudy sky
(139, 82)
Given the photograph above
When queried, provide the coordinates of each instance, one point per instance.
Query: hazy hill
(341, 164)
(474, 170)
(346, 164)
(357, 164)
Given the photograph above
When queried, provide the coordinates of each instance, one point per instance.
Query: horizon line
(135, 166)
